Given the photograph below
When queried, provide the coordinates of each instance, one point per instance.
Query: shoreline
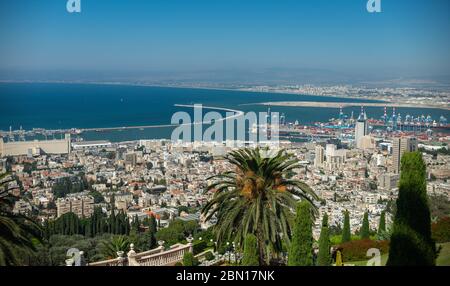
(315, 104)
(367, 101)
(188, 87)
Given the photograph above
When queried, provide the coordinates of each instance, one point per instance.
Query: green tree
(98, 197)
(365, 228)
(16, 231)
(411, 241)
(117, 243)
(177, 231)
(189, 259)
(300, 251)
(382, 223)
(250, 257)
(135, 225)
(68, 224)
(153, 225)
(256, 198)
(346, 232)
(324, 256)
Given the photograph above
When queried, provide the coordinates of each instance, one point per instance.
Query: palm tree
(117, 243)
(257, 198)
(17, 232)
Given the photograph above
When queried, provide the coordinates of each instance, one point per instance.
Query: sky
(408, 37)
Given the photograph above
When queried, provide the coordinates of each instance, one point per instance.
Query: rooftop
(86, 143)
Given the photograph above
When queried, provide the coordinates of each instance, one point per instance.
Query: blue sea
(64, 106)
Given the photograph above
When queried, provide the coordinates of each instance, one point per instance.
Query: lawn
(442, 260)
(384, 258)
(444, 255)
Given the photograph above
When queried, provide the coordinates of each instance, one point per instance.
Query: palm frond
(256, 198)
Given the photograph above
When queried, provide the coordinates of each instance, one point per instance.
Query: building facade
(36, 147)
(388, 181)
(319, 159)
(399, 147)
(361, 129)
(81, 205)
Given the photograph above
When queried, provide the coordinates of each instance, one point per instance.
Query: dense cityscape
(354, 170)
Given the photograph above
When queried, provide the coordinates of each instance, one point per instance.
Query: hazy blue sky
(172, 35)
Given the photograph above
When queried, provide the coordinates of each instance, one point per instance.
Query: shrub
(209, 256)
(189, 259)
(356, 250)
(199, 246)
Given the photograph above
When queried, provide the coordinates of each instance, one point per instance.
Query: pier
(237, 113)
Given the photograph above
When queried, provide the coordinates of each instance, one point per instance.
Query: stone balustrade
(110, 262)
(154, 257)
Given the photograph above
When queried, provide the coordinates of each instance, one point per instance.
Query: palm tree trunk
(261, 246)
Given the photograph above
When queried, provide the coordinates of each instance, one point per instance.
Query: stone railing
(154, 257)
(164, 258)
(119, 261)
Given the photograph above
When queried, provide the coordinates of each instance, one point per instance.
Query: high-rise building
(318, 160)
(400, 146)
(131, 159)
(388, 181)
(334, 157)
(81, 205)
(361, 128)
(330, 150)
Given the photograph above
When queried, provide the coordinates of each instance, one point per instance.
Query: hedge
(441, 230)
(199, 246)
(356, 250)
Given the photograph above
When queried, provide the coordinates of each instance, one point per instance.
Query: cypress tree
(324, 257)
(411, 242)
(346, 233)
(118, 224)
(153, 225)
(86, 227)
(151, 239)
(300, 252)
(136, 223)
(382, 223)
(71, 224)
(365, 229)
(251, 254)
